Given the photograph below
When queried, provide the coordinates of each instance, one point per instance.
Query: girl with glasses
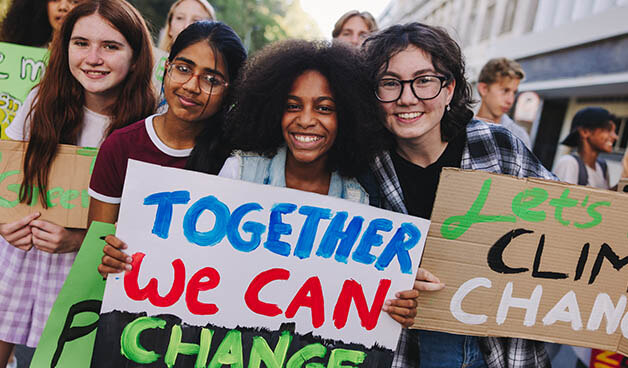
(418, 74)
(98, 79)
(203, 61)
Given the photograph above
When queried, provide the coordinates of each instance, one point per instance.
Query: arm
(52, 238)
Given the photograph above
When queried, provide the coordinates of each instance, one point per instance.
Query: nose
(93, 56)
(355, 40)
(614, 135)
(192, 85)
(64, 6)
(306, 119)
(407, 97)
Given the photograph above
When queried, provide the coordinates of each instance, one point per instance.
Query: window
(509, 16)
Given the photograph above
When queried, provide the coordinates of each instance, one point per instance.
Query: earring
(448, 108)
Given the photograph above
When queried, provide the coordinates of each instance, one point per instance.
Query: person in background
(354, 27)
(418, 74)
(624, 164)
(33, 22)
(181, 14)
(203, 61)
(98, 79)
(592, 133)
(497, 85)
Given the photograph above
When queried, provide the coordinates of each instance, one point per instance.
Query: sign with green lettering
(21, 68)
(66, 194)
(68, 338)
(528, 258)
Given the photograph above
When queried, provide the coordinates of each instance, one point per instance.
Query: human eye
(425, 80)
(80, 43)
(111, 46)
(182, 68)
(213, 80)
(292, 106)
(326, 109)
(389, 83)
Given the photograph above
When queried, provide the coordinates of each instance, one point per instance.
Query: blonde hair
(498, 68)
(165, 41)
(366, 16)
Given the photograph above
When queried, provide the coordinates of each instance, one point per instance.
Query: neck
(588, 154)
(423, 151)
(485, 114)
(312, 177)
(176, 133)
(99, 103)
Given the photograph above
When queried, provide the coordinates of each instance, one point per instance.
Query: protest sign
(527, 258)
(21, 68)
(67, 196)
(229, 272)
(68, 338)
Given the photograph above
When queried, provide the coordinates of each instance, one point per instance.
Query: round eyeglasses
(424, 87)
(210, 83)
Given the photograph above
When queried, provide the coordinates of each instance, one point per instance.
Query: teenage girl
(203, 61)
(98, 79)
(182, 13)
(33, 22)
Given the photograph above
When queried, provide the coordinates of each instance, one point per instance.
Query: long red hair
(57, 113)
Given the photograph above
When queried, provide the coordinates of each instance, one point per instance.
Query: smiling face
(99, 58)
(600, 139)
(309, 124)
(412, 120)
(57, 9)
(354, 31)
(186, 13)
(186, 100)
(497, 98)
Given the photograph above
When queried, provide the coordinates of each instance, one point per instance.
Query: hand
(52, 238)
(114, 260)
(18, 233)
(403, 309)
(426, 281)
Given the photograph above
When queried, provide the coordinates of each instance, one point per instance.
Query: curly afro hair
(254, 123)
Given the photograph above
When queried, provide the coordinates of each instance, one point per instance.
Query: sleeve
(19, 129)
(231, 168)
(109, 171)
(567, 169)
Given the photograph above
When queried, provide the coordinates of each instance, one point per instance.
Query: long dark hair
(57, 113)
(446, 57)
(26, 23)
(210, 150)
(261, 93)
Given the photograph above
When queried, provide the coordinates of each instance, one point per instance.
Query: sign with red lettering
(528, 258)
(232, 273)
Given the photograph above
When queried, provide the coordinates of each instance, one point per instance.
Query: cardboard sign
(229, 272)
(68, 338)
(528, 258)
(21, 68)
(68, 181)
(607, 359)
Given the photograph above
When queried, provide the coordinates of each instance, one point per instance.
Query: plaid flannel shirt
(492, 148)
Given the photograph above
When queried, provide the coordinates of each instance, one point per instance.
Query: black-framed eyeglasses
(210, 83)
(424, 87)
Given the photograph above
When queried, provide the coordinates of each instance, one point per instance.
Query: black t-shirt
(419, 184)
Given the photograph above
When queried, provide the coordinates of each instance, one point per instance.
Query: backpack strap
(604, 166)
(583, 176)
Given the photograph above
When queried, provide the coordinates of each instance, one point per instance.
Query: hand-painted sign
(21, 68)
(68, 338)
(528, 258)
(67, 196)
(229, 272)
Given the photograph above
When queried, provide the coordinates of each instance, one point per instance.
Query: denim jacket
(271, 171)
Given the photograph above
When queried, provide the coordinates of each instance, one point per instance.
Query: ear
(482, 89)
(584, 133)
(451, 87)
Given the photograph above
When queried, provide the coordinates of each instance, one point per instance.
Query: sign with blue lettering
(229, 272)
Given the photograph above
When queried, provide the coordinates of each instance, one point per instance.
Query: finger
(13, 238)
(42, 235)
(428, 286)
(23, 241)
(114, 264)
(46, 226)
(44, 247)
(405, 322)
(407, 294)
(14, 226)
(106, 270)
(404, 303)
(425, 275)
(115, 242)
(117, 254)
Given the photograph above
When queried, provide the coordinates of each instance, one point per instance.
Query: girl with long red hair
(98, 80)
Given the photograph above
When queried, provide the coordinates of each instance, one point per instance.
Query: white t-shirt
(92, 134)
(567, 170)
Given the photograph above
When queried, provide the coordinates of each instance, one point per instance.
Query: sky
(327, 12)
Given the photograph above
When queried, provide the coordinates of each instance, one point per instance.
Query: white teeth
(307, 138)
(96, 73)
(409, 115)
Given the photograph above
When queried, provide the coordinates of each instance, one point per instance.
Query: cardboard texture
(68, 200)
(560, 277)
(622, 186)
(21, 68)
(267, 272)
(70, 332)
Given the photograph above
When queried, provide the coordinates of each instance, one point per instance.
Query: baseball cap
(588, 118)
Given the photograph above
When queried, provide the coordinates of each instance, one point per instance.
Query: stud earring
(448, 107)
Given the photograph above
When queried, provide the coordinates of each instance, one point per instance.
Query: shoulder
(567, 160)
(121, 140)
(567, 169)
(231, 167)
(130, 131)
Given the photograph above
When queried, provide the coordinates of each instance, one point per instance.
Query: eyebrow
(417, 73)
(103, 41)
(188, 61)
(317, 99)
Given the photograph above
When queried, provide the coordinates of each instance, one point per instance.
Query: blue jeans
(445, 350)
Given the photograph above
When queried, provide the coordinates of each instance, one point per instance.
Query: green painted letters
(130, 345)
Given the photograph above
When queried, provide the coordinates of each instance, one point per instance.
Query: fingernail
(398, 295)
(388, 302)
(124, 246)
(127, 267)
(385, 308)
(129, 260)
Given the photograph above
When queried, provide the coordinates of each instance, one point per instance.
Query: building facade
(574, 53)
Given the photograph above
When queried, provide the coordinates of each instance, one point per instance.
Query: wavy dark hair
(57, 113)
(446, 57)
(26, 23)
(254, 124)
(210, 150)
